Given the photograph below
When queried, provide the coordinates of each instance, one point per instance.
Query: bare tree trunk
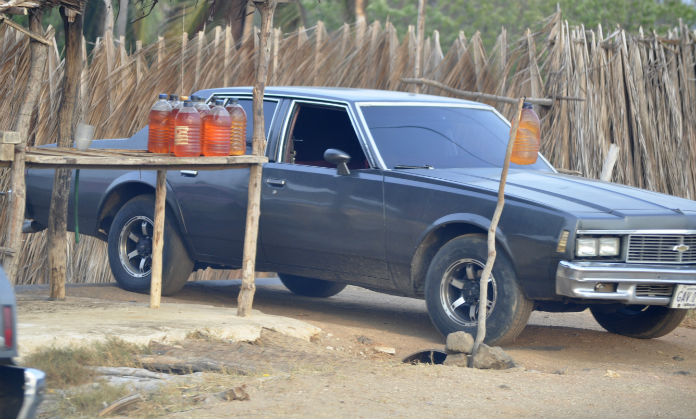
(246, 294)
(57, 219)
(18, 197)
(108, 17)
(122, 20)
(483, 284)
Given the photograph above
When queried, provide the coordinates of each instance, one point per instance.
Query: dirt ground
(567, 366)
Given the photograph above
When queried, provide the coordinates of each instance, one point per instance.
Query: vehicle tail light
(528, 137)
(7, 330)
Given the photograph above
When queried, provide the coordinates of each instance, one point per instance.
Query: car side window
(269, 108)
(313, 129)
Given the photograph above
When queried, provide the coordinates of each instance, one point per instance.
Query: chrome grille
(654, 290)
(662, 249)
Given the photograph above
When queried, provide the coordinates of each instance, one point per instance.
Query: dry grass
(88, 401)
(65, 367)
(639, 92)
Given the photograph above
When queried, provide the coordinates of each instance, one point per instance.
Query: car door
(314, 221)
(213, 203)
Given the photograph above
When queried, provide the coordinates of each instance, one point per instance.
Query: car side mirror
(339, 158)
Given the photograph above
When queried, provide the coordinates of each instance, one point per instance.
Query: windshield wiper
(406, 166)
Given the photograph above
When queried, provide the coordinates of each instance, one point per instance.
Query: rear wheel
(311, 287)
(130, 249)
(638, 321)
(452, 288)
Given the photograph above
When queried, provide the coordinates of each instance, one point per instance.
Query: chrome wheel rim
(460, 292)
(135, 246)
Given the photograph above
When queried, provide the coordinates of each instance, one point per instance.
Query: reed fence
(639, 92)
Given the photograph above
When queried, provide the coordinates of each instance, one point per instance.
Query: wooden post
(419, 44)
(226, 60)
(199, 52)
(138, 61)
(319, 32)
(18, 197)
(184, 43)
(57, 219)
(158, 239)
(276, 49)
(246, 294)
(123, 57)
(483, 284)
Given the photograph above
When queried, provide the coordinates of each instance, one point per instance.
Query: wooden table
(72, 158)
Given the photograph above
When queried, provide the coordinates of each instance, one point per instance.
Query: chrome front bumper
(590, 280)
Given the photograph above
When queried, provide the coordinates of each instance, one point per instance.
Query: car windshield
(440, 137)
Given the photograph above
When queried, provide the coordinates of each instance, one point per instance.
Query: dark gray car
(21, 389)
(394, 192)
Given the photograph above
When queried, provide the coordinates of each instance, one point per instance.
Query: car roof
(339, 94)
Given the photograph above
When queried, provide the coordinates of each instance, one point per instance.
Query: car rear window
(440, 136)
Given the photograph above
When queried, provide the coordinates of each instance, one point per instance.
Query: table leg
(158, 239)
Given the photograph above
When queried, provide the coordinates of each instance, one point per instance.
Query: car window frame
(480, 106)
(248, 96)
(290, 111)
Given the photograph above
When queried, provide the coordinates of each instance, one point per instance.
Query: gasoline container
(187, 132)
(200, 105)
(526, 147)
(239, 122)
(176, 104)
(161, 129)
(217, 129)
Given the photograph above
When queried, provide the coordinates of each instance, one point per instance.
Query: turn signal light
(525, 150)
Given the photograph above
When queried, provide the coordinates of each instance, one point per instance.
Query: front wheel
(452, 290)
(638, 321)
(310, 287)
(130, 249)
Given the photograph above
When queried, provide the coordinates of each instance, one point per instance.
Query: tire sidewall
(174, 255)
(503, 317)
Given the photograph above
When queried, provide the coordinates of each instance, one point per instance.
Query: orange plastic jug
(160, 127)
(217, 131)
(239, 122)
(187, 132)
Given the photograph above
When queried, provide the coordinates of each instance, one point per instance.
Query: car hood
(572, 194)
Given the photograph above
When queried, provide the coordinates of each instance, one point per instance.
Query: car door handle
(189, 173)
(276, 183)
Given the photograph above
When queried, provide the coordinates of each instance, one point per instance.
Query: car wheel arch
(120, 193)
(442, 231)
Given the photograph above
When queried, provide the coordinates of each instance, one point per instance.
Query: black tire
(638, 321)
(311, 287)
(130, 249)
(453, 278)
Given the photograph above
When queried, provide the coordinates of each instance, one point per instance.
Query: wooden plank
(10, 137)
(7, 152)
(158, 240)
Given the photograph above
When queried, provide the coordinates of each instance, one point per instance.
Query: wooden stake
(199, 52)
(57, 219)
(18, 197)
(158, 239)
(226, 61)
(483, 285)
(419, 44)
(609, 162)
(246, 294)
(138, 61)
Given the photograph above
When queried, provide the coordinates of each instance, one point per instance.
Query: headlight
(597, 246)
(585, 247)
(609, 246)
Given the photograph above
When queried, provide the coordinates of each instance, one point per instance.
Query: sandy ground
(567, 366)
